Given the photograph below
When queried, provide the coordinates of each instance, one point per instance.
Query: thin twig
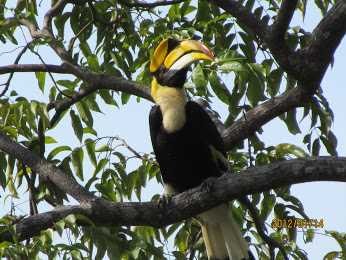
(261, 229)
(73, 39)
(49, 73)
(145, 4)
(16, 61)
(125, 144)
(11, 51)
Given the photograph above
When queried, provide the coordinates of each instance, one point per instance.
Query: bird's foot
(164, 200)
(207, 184)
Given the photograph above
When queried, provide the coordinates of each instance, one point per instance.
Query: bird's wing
(155, 121)
(208, 132)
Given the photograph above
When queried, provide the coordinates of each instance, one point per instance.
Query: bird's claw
(207, 184)
(164, 200)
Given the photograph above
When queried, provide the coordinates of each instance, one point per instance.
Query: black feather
(184, 156)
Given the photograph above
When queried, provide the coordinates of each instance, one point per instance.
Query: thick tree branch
(33, 225)
(56, 9)
(37, 33)
(308, 66)
(255, 118)
(45, 169)
(194, 201)
(326, 37)
(283, 55)
(243, 15)
(96, 82)
(284, 18)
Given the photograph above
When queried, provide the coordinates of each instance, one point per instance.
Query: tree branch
(145, 4)
(45, 169)
(52, 12)
(243, 15)
(197, 200)
(255, 118)
(282, 54)
(33, 225)
(33, 68)
(261, 229)
(326, 37)
(308, 66)
(284, 18)
(19, 56)
(96, 82)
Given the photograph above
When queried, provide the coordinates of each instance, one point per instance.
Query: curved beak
(185, 53)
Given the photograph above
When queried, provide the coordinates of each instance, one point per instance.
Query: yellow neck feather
(172, 104)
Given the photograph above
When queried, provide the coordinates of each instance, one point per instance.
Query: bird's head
(171, 59)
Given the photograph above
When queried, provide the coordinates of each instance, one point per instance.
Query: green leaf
(232, 66)
(77, 162)
(101, 164)
(322, 5)
(93, 62)
(254, 92)
(3, 166)
(340, 238)
(274, 81)
(69, 84)
(203, 11)
(219, 88)
(331, 255)
(174, 12)
(309, 235)
(316, 146)
(76, 125)
(199, 79)
(60, 21)
(107, 98)
(291, 122)
(121, 157)
(333, 141)
(85, 49)
(88, 130)
(91, 102)
(103, 148)
(80, 18)
(57, 150)
(330, 146)
(85, 113)
(267, 205)
(289, 149)
(49, 140)
(249, 4)
(90, 147)
(125, 97)
(10, 166)
(186, 8)
(41, 78)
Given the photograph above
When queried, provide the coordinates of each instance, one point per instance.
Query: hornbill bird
(187, 145)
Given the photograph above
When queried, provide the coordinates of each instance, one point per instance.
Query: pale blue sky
(321, 200)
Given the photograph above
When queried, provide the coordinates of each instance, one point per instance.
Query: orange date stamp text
(297, 223)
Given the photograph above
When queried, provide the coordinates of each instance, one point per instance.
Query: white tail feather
(222, 236)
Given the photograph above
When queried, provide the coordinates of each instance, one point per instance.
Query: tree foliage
(264, 69)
